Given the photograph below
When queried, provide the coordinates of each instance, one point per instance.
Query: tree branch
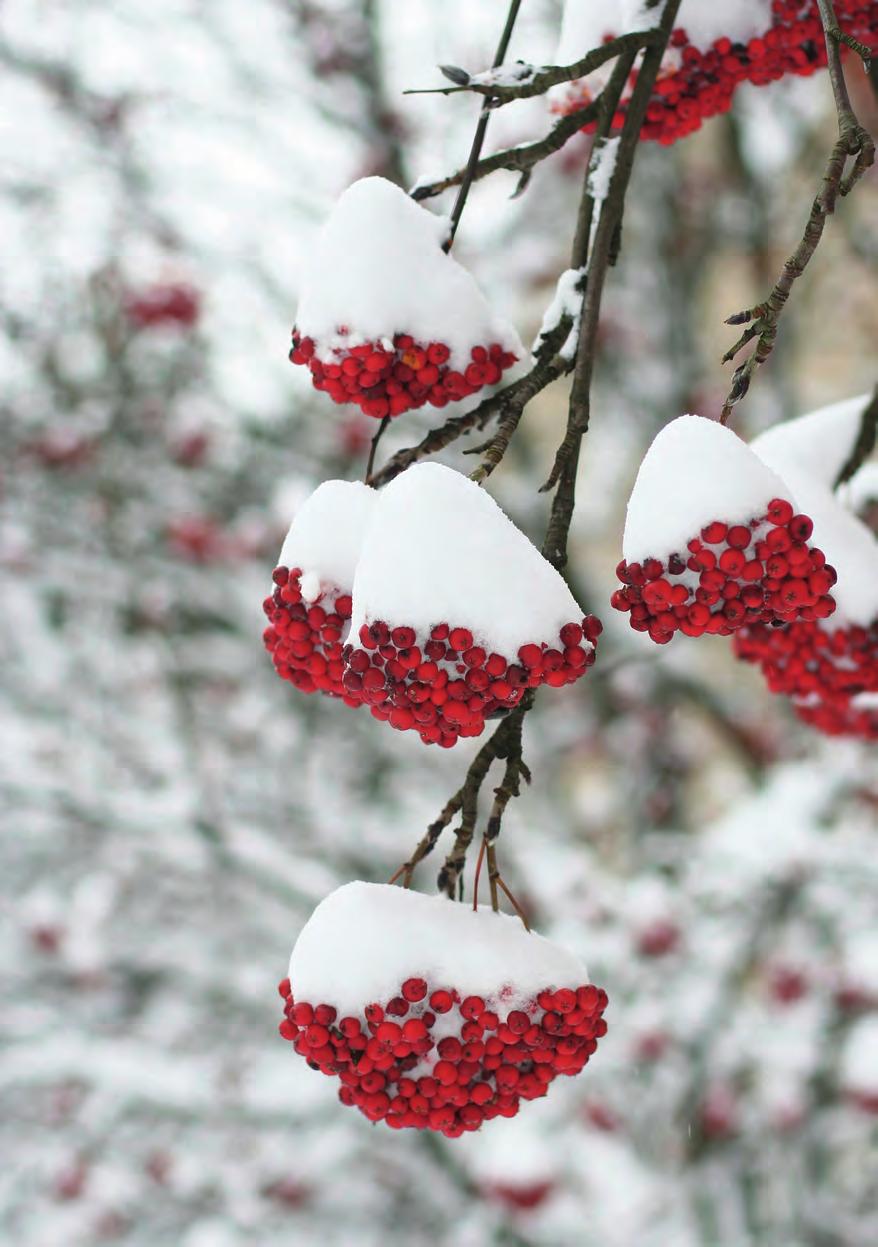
(517, 159)
(853, 143)
(865, 443)
(537, 80)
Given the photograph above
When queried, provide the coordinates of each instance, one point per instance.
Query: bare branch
(853, 143)
(865, 443)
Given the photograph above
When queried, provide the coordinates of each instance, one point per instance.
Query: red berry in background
(460, 1058)
(705, 64)
(174, 304)
(522, 1196)
(658, 938)
(787, 984)
(387, 321)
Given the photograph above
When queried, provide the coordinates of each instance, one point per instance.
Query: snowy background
(172, 812)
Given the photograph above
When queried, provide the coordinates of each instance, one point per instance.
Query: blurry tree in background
(172, 811)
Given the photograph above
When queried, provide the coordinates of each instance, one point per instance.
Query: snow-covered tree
(183, 183)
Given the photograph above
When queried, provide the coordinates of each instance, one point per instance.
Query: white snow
(440, 550)
(326, 535)
(859, 1060)
(695, 471)
(848, 545)
(603, 166)
(862, 489)
(365, 939)
(566, 301)
(818, 443)
(583, 26)
(703, 20)
(377, 268)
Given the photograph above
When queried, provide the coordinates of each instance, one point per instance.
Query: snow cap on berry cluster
(441, 550)
(695, 472)
(326, 536)
(365, 939)
(377, 269)
(817, 443)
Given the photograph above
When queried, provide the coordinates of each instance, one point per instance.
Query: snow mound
(859, 1068)
(817, 443)
(365, 939)
(849, 547)
(377, 268)
(440, 550)
(326, 535)
(696, 471)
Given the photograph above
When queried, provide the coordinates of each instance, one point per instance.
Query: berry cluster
(823, 669)
(732, 575)
(445, 685)
(305, 639)
(164, 304)
(478, 1063)
(699, 83)
(386, 380)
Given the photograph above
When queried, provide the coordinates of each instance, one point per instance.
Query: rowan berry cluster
(429, 1059)
(822, 669)
(444, 684)
(731, 575)
(389, 378)
(305, 638)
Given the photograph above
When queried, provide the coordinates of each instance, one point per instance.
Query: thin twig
(865, 443)
(481, 130)
(536, 80)
(517, 159)
(853, 143)
(373, 448)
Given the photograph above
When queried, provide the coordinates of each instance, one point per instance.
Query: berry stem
(374, 447)
(481, 129)
(477, 875)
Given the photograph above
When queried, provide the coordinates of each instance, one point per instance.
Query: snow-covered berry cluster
(387, 320)
(729, 576)
(432, 1052)
(422, 601)
(686, 570)
(712, 52)
(395, 375)
(443, 685)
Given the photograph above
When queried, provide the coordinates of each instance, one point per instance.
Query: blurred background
(172, 811)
